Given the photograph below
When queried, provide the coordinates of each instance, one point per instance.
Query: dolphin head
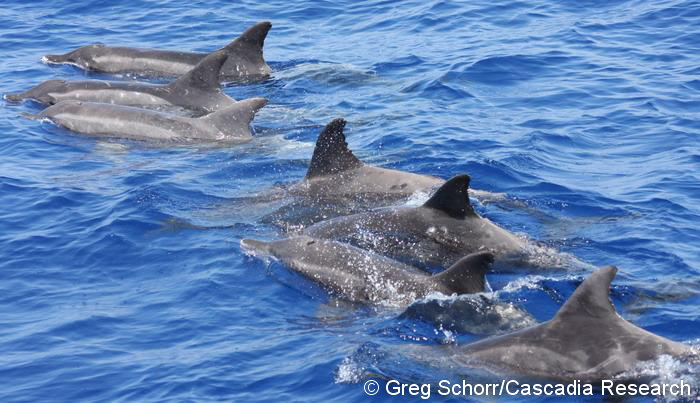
(83, 57)
(42, 93)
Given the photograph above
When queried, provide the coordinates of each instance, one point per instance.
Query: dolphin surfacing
(230, 125)
(245, 58)
(437, 233)
(363, 277)
(338, 183)
(198, 90)
(586, 341)
(334, 171)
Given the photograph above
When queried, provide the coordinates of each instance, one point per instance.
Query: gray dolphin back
(586, 340)
(245, 63)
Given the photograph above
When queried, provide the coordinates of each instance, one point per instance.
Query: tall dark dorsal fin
(467, 276)
(452, 198)
(205, 75)
(332, 155)
(592, 297)
(253, 37)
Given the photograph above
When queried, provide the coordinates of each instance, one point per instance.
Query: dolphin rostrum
(586, 341)
(245, 58)
(97, 119)
(359, 276)
(198, 90)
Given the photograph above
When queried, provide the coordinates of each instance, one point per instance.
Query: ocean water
(121, 275)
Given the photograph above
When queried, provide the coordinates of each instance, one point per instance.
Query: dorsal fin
(332, 155)
(592, 297)
(235, 120)
(205, 75)
(467, 276)
(253, 37)
(452, 198)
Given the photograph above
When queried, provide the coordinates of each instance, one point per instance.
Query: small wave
(509, 70)
(473, 314)
(327, 73)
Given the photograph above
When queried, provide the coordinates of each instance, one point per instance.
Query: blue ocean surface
(121, 274)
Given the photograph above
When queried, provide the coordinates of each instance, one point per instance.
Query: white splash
(349, 372)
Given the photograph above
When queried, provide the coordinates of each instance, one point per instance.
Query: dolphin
(334, 170)
(231, 124)
(439, 232)
(198, 90)
(245, 58)
(586, 341)
(338, 183)
(363, 277)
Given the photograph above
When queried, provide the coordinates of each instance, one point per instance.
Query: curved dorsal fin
(239, 114)
(332, 155)
(253, 37)
(205, 75)
(452, 198)
(592, 297)
(467, 275)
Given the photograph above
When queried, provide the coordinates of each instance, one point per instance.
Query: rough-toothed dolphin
(198, 90)
(96, 119)
(338, 183)
(335, 171)
(245, 58)
(586, 340)
(359, 276)
(437, 233)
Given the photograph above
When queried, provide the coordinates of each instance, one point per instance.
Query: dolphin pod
(375, 256)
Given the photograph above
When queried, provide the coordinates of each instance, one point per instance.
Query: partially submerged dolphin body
(97, 119)
(335, 171)
(437, 233)
(586, 340)
(359, 276)
(338, 183)
(245, 58)
(198, 90)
